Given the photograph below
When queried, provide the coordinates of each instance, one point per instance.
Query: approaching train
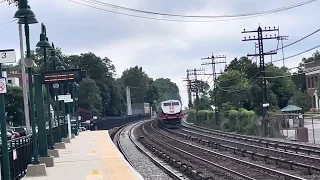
(169, 113)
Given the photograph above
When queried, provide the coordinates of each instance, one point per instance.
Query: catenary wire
(297, 54)
(8, 22)
(202, 16)
(290, 75)
(160, 19)
(290, 44)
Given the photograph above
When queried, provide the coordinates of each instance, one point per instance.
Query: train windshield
(171, 104)
(175, 104)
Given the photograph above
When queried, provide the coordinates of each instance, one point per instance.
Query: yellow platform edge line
(108, 151)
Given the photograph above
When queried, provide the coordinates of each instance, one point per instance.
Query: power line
(290, 75)
(198, 16)
(8, 22)
(250, 79)
(237, 90)
(279, 48)
(161, 19)
(297, 54)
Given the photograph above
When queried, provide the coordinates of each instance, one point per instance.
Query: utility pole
(194, 84)
(281, 38)
(255, 51)
(261, 55)
(190, 104)
(214, 74)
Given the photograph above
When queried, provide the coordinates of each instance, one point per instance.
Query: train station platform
(90, 156)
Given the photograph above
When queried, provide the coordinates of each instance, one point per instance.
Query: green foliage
(192, 115)
(145, 89)
(14, 105)
(167, 89)
(241, 121)
(90, 99)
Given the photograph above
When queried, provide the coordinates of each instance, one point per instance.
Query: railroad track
(115, 137)
(263, 142)
(225, 166)
(287, 160)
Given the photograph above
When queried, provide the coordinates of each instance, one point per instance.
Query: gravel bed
(139, 161)
(248, 159)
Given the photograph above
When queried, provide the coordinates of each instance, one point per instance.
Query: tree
(14, 105)
(300, 99)
(232, 87)
(167, 89)
(138, 81)
(89, 98)
(244, 65)
(283, 87)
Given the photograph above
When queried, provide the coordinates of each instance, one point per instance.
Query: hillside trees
(145, 89)
(101, 93)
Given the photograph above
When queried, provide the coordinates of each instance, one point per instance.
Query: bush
(202, 115)
(241, 121)
(191, 115)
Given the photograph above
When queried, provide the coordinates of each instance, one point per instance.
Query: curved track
(115, 136)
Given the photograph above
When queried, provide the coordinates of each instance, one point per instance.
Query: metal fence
(21, 151)
(287, 126)
(111, 122)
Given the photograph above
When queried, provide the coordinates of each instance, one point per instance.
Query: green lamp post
(26, 17)
(45, 45)
(75, 102)
(60, 67)
(53, 60)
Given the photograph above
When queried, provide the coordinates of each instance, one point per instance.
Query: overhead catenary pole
(190, 104)
(281, 38)
(24, 82)
(214, 74)
(261, 55)
(129, 109)
(194, 83)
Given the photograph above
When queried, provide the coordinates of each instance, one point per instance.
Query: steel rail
(275, 172)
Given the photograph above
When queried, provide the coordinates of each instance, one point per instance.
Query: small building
(292, 120)
(292, 117)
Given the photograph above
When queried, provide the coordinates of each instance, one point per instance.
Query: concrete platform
(90, 156)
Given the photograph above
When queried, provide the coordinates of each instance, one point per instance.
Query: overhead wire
(290, 75)
(290, 44)
(175, 20)
(8, 22)
(297, 54)
(204, 16)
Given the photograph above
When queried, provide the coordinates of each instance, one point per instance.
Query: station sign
(63, 76)
(68, 100)
(7, 56)
(64, 97)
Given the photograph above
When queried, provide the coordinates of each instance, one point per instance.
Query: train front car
(170, 113)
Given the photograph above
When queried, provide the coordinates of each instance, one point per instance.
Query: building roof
(291, 108)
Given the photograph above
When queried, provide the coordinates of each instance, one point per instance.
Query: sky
(164, 48)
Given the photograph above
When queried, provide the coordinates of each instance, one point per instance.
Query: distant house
(14, 78)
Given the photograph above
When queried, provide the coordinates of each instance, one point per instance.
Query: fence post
(314, 140)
